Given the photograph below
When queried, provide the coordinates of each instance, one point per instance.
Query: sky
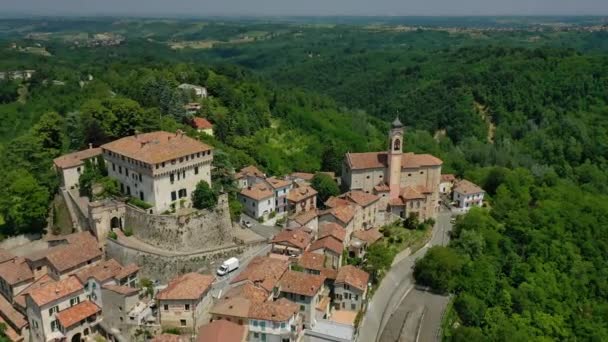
(304, 7)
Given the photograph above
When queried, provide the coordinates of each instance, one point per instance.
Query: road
(397, 284)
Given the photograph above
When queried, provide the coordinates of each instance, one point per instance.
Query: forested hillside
(522, 113)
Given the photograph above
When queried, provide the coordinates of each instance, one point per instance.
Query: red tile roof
(156, 147)
(14, 317)
(258, 191)
(382, 188)
(277, 183)
(278, 311)
(170, 338)
(82, 247)
(20, 298)
(52, 291)
(329, 243)
(301, 193)
(249, 170)
(361, 198)
(201, 123)
(312, 261)
(233, 307)
(343, 213)
(76, 158)
(296, 237)
(332, 229)
(189, 286)
(221, 331)
(352, 276)
(466, 187)
(304, 217)
(101, 272)
(247, 291)
(334, 202)
(410, 193)
(263, 271)
(303, 175)
(369, 236)
(126, 271)
(5, 256)
(123, 290)
(301, 283)
(10, 332)
(77, 313)
(448, 177)
(16, 271)
(378, 160)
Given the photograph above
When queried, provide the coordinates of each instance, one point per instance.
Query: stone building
(70, 166)
(160, 168)
(302, 198)
(306, 290)
(277, 321)
(350, 288)
(412, 180)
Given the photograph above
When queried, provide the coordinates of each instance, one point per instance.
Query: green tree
(25, 203)
(325, 186)
(203, 197)
(438, 269)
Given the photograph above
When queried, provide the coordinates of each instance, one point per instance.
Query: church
(407, 183)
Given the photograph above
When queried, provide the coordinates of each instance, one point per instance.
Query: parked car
(228, 266)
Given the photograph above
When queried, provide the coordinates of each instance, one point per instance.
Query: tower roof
(396, 123)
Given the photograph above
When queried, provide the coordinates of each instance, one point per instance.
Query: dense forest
(524, 113)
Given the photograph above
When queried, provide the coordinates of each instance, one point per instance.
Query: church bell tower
(394, 158)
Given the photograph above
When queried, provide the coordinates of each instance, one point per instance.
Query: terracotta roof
(258, 191)
(378, 160)
(296, 237)
(383, 187)
(329, 273)
(301, 193)
(16, 271)
(170, 338)
(126, 271)
(352, 276)
(276, 183)
(343, 213)
(14, 317)
(81, 248)
(76, 158)
(5, 256)
(55, 290)
(369, 236)
(123, 290)
(303, 175)
(361, 198)
(301, 283)
(10, 332)
(250, 170)
(448, 177)
(187, 286)
(263, 271)
(20, 298)
(201, 123)
(156, 147)
(410, 193)
(332, 229)
(221, 331)
(329, 243)
(466, 187)
(101, 272)
(304, 217)
(278, 311)
(312, 261)
(234, 307)
(334, 202)
(248, 291)
(77, 313)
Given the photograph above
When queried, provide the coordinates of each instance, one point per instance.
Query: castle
(407, 183)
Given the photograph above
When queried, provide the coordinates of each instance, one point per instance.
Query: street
(397, 284)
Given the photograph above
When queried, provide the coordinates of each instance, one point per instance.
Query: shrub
(272, 214)
(139, 203)
(128, 231)
(112, 235)
(203, 197)
(172, 331)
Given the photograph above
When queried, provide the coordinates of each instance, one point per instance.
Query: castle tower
(394, 158)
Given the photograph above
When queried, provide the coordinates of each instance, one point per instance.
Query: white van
(228, 266)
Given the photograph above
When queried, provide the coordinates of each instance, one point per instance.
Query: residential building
(160, 168)
(277, 321)
(58, 310)
(118, 302)
(302, 198)
(171, 338)
(331, 248)
(235, 304)
(467, 195)
(361, 240)
(70, 166)
(447, 183)
(222, 331)
(350, 288)
(413, 179)
(108, 272)
(333, 230)
(202, 125)
(192, 108)
(291, 242)
(315, 263)
(343, 215)
(182, 303)
(15, 322)
(15, 276)
(306, 220)
(306, 290)
(198, 91)
(366, 208)
(249, 176)
(281, 188)
(263, 272)
(258, 200)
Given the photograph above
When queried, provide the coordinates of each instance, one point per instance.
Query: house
(361, 240)
(59, 310)
(366, 208)
(277, 321)
(306, 220)
(192, 108)
(331, 248)
(70, 166)
(258, 200)
(467, 195)
(291, 242)
(281, 188)
(222, 331)
(306, 290)
(235, 304)
(202, 125)
(249, 176)
(447, 183)
(302, 198)
(198, 91)
(350, 288)
(343, 215)
(402, 173)
(160, 168)
(118, 302)
(19, 300)
(171, 338)
(315, 263)
(15, 322)
(182, 303)
(333, 230)
(262, 271)
(15, 276)
(108, 272)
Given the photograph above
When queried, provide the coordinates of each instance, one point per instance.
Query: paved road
(397, 283)
(266, 231)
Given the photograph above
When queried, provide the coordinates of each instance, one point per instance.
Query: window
(166, 307)
(128, 190)
(409, 175)
(120, 170)
(302, 308)
(78, 169)
(122, 188)
(157, 166)
(182, 193)
(282, 325)
(54, 325)
(113, 167)
(163, 164)
(183, 174)
(263, 337)
(173, 196)
(187, 307)
(263, 325)
(346, 287)
(256, 335)
(74, 301)
(353, 307)
(141, 195)
(182, 322)
(53, 310)
(140, 177)
(367, 177)
(181, 160)
(196, 170)
(302, 297)
(421, 172)
(397, 145)
(172, 178)
(255, 323)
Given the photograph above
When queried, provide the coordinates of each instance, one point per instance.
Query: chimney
(90, 146)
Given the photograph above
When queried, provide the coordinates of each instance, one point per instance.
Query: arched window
(397, 145)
